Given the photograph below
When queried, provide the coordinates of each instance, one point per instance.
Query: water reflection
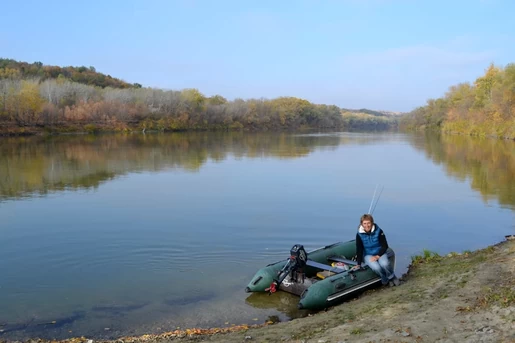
(36, 166)
(488, 164)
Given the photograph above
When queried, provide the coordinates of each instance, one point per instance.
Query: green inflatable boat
(321, 277)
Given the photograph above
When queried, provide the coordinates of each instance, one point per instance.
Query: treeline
(10, 68)
(65, 105)
(363, 120)
(484, 108)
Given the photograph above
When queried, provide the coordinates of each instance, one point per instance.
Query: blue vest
(371, 244)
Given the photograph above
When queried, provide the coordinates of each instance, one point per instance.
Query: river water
(116, 235)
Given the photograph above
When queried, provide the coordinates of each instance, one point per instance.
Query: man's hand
(375, 258)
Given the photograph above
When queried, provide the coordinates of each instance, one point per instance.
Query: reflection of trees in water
(39, 165)
(488, 163)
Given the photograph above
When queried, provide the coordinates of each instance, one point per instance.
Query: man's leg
(385, 264)
(387, 268)
(377, 269)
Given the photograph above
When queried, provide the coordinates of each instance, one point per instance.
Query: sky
(378, 54)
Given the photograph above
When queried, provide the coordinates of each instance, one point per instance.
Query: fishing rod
(373, 197)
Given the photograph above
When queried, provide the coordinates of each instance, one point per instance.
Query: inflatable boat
(321, 277)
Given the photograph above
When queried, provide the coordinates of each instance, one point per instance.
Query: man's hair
(367, 217)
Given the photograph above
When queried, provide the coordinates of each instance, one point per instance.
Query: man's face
(367, 225)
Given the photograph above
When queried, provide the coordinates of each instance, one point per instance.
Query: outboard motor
(294, 267)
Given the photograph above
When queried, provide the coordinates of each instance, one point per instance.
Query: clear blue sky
(378, 54)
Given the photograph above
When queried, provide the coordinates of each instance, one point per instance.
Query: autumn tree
(485, 107)
(25, 104)
(484, 86)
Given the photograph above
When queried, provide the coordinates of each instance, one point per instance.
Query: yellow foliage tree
(9, 73)
(25, 105)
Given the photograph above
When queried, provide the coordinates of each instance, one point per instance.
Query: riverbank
(11, 130)
(468, 297)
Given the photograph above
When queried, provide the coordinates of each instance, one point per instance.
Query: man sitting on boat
(372, 247)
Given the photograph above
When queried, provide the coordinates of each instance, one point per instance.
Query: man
(371, 246)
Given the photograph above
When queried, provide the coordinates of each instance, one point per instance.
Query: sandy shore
(467, 297)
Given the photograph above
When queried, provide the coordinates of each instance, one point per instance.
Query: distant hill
(375, 113)
(84, 75)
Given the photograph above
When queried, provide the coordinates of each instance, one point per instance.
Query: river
(126, 234)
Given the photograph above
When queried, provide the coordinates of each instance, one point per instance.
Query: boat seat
(322, 266)
(336, 258)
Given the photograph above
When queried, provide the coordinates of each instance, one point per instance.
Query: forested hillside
(86, 75)
(38, 97)
(483, 108)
